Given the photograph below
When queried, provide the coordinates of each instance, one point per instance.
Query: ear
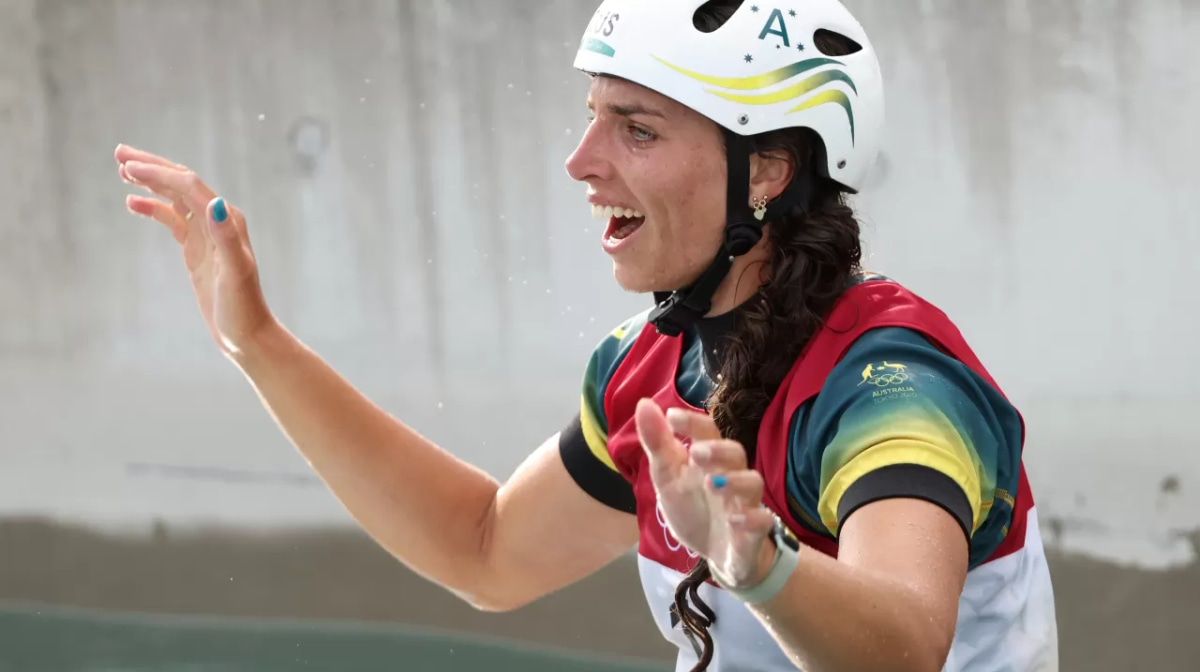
(770, 172)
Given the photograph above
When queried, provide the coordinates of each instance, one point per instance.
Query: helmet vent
(713, 14)
(834, 44)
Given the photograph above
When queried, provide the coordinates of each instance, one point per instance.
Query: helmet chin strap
(678, 310)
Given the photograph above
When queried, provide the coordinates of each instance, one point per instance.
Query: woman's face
(656, 176)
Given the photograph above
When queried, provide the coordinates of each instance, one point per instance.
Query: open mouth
(622, 222)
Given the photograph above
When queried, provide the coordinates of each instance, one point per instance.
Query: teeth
(606, 211)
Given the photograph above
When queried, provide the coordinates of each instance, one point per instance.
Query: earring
(760, 207)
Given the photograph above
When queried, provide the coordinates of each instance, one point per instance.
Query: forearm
(835, 617)
(426, 507)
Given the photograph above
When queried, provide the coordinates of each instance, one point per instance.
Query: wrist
(262, 347)
(774, 565)
(755, 573)
(766, 560)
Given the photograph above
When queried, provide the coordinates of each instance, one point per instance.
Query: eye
(641, 135)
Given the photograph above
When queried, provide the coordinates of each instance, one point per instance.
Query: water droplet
(591, 319)
(362, 99)
(522, 258)
(433, 214)
(525, 282)
(568, 131)
(581, 334)
(529, 93)
(422, 106)
(429, 261)
(367, 80)
(440, 405)
(262, 117)
(547, 291)
(510, 86)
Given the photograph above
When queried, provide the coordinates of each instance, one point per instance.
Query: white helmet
(760, 71)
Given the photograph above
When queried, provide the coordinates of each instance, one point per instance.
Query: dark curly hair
(815, 252)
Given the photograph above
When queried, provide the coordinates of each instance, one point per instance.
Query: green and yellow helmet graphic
(792, 92)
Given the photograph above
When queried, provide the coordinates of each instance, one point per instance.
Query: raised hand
(212, 234)
(709, 496)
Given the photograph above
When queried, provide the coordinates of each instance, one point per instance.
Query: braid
(813, 259)
(815, 250)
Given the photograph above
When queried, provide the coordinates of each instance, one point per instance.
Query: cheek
(701, 211)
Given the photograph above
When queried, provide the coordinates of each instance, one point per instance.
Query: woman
(848, 493)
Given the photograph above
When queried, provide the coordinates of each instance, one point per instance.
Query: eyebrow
(630, 109)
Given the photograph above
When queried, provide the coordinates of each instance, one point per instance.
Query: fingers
(664, 452)
(719, 455)
(238, 220)
(163, 213)
(159, 178)
(125, 153)
(754, 521)
(694, 425)
(183, 186)
(228, 234)
(738, 490)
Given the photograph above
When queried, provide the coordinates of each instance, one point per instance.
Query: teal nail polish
(720, 481)
(220, 212)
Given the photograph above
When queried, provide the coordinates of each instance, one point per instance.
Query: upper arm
(917, 546)
(907, 457)
(584, 443)
(547, 532)
(566, 511)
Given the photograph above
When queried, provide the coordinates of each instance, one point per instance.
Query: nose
(588, 161)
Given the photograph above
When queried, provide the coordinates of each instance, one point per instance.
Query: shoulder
(893, 375)
(617, 342)
(610, 352)
(889, 361)
(584, 443)
(898, 416)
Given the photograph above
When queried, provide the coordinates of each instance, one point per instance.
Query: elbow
(930, 652)
(490, 591)
(491, 603)
(929, 661)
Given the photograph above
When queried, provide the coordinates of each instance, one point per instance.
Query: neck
(744, 279)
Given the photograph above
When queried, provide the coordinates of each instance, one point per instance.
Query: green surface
(34, 639)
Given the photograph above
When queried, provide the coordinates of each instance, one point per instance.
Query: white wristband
(787, 556)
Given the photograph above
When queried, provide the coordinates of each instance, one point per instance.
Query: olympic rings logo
(672, 543)
(888, 379)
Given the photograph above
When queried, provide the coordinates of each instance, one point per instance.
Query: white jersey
(1006, 620)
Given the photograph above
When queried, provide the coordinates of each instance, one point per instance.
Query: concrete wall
(401, 166)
